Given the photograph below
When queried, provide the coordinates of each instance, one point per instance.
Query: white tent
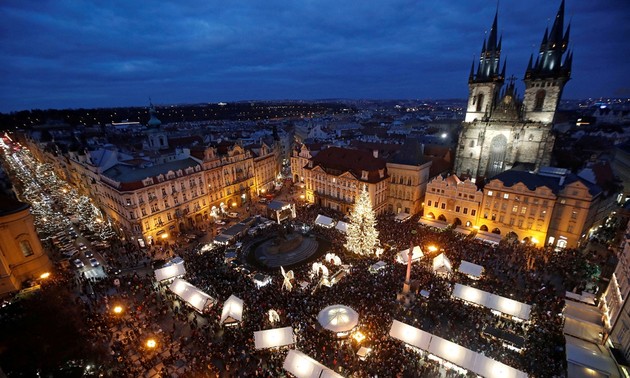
(402, 217)
(489, 368)
(410, 335)
(342, 226)
(495, 302)
(275, 337)
(302, 366)
(472, 270)
(590, 356)
(441, 264)
(232, 310)
(452, 352)
(582, 321)
(377, 266)
(191, 295)
(403, 255)
(463, 231)
(433, 223)
(171, 271)
(488, 237)
(324, 221)
(338, 318)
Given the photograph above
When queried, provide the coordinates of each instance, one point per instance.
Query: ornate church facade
(502, 130)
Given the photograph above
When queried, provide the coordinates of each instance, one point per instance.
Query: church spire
(489, 60)
(554, 44)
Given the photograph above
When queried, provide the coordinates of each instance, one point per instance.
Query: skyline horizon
(68, 56)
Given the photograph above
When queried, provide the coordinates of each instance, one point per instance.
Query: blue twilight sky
(81, 53)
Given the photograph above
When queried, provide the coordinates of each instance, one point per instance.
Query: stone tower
(501, 131)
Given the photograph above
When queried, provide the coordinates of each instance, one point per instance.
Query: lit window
(489, 193)
(506, 196)
(515, 208)
(25, 246)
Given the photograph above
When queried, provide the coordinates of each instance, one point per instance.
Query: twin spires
(552, 48)
(489, 61)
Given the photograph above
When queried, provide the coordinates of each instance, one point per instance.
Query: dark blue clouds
(70, 53)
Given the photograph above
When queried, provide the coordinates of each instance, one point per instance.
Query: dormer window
(364, 175)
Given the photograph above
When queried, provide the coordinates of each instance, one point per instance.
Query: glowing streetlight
(43, 276)
(164, 236)
(118, 310)
(151, 343)
(234, 204)
(432, 248)
(358, 336)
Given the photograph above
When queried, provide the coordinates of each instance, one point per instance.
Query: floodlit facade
(21, 255)
(553, 208)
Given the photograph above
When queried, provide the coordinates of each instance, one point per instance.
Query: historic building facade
(335, 177)
(551, 208)
(500, 130)
(21, 254)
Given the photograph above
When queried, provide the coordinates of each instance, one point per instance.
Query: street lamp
(43, 276)
(118, 310)
(432, 248)
(151, 343)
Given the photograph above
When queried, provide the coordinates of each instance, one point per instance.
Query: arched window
(479, 102)
(540, 100)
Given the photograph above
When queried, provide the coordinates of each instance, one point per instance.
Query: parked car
(94, 262)
(78, 263)
(88, 253)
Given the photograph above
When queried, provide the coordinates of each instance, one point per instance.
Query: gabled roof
(130, 177)
(532, 181)
(336, 160)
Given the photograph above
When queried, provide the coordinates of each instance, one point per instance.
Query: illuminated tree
(361, 235)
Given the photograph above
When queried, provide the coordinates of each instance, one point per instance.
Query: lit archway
(442, 218)
(496, 231)
(483, 228)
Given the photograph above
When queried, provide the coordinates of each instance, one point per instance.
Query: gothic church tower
(500, 130)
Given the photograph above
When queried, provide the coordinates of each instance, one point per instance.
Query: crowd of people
(195, 344)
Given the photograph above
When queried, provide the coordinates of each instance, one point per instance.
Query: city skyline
(119, 54)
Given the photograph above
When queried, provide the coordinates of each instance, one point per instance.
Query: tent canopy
(191, 295)
(277, 205)
(463, 231)
(171, 271)
(488, 237)
(377, 266)
(433, 223)
(342, 226)
(403, 256)
(401, 217)
(275, 337)
(483, 298)
(338, 318)
(324, 221)
(232, 310)
(589, 355)
(470, 269)
(410, 335)
(441, 263)
(302, 366)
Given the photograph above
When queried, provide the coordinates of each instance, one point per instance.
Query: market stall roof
(324, 221)
(590, 356)
(441, 263)
(235, 230)
(401, 217)
(410, 335)
(433, 223)
(277, 205)
(223, 239)
(452, 352)
(470, 269)
(377, 266)
(275, 337)
(232, 310)
(582, 321)
(488, 237)
(191, 295)
(403, 256)
(483, 298)
(302, 366)
(338, 318)
(171, 271)
(342, 226)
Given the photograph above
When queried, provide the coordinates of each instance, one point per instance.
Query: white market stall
(583, 356)
(339, 319)
(453, 354)
(273, 338)
(583, 321)
(410, 335)
(302, 366)
(488, 237)
(442, 265)
(377, 266)
(342, 226)
(433, 223)
(416, 254)
(170, 271)
(324, 221)
(232, 312)
(191, 295)
(495, 302)
(402, 217)
(471, 270)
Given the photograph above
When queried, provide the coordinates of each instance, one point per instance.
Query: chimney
(375, 153)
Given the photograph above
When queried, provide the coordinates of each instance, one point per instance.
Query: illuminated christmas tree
(361, 235)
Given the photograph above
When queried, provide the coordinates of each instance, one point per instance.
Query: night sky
(72, 53)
